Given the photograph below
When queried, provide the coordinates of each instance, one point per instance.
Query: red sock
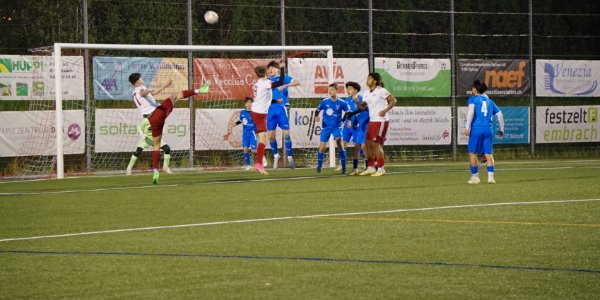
(155, 159)
(188, 93)
(260, 153)
(370, 162)
(380, 162)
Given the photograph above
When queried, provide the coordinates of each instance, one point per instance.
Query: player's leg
(488, 150)
(260, 120)
(272, 121)
(247, 158)
(381, 136)
(284, 124)
(188, 93)
(337, 135)
(474, 147)
(371, 147)
(323, 139)
(155, 157)
(166, 157)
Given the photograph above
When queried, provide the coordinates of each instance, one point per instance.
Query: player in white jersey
(157, 113)
(263, 93)
(379, 102)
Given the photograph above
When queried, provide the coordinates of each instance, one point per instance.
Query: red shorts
(376, 131)
(260, 121)
(159, 115)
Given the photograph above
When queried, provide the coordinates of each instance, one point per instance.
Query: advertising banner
(28, 77)
(407, 77)
(117, 130)
(504, 77)
(111, 75)
(516, 125)
(314, 78)
(32, 133)
(567, 124)
(567, 78)
(420, 126)
(231, 78)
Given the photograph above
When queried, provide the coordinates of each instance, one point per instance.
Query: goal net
(79, 94)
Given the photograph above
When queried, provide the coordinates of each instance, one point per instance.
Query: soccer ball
(211, 17)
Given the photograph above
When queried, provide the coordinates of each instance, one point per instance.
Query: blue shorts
(278, 116)
(249, 140)
(356, 135)
(326, 132)
(481, 140)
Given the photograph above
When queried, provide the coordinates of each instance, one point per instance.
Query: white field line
(295, 218)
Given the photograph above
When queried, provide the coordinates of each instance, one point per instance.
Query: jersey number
(484, 108)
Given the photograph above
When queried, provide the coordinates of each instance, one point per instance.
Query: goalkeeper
(145, 131)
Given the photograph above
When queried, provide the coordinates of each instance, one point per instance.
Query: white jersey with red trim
(376, 102)
(146, 105)
(262, 96)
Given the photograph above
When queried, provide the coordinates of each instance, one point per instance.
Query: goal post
(59, 47)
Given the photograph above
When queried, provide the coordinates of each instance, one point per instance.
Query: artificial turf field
(418, 232)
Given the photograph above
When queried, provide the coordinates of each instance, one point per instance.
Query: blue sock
(320, 156)
(355, 164)
(343, 160)
(288, 144)
(247, 158)
(474, 170)
(274, 146)
(490, 169)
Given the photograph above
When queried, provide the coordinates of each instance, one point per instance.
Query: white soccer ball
(211, 17)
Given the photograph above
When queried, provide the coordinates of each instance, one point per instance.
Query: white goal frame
(60, 172)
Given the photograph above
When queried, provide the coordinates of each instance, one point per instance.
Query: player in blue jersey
(332, 123)
(479, 130)
(278, 114)
(355, 127)
(249, 138)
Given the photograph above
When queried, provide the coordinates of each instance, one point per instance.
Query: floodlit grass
(302, 236)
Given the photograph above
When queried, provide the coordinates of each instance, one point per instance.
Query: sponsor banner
(216, 130)
(32, 133)
(314, 78)
(304, 131)
(567, 78)
(567, 124)
(504, 77)
(28, 77)
(405, 77)
(231, 78)
(111, 75)
(420, 126)
(116, 130)
(516, 125)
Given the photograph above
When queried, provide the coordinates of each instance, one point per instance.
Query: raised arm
(281, 78)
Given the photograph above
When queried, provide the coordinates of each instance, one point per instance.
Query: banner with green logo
(409, 77)
(567, 124)
(28, 77)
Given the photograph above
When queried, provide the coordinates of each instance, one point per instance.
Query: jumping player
(249, 138)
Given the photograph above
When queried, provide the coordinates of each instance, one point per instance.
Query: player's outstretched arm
(280, 81)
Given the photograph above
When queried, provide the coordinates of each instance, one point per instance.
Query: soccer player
(157, 113)
(355, 128)
(332, 125)
(145, 131)
(249, 139)
(479, 130)
(263, 92)
(278, 113)
(380, 102)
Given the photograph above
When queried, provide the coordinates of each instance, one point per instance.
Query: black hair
(333, 85)
(481, 87)
(248, 99)
(353, 84)
(377, 78)
(273, 64)
(134, 77)
(260, 71)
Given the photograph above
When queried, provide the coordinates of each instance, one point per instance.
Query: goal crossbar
(199, 48)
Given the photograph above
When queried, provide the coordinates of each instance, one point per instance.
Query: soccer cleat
(260, 169)
(167, 170)
(318, 170)
(247, 168)
(353, 173)
(265, 162)
(276, 161)
(491, 180)
(368, 171)
(380, 172)
(128, 172)
(204, 89)
(155, 177)
(291, 163)
(474, 180)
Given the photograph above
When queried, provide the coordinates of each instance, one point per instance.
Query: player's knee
(166, 149)
(137, 152)
(338, 142)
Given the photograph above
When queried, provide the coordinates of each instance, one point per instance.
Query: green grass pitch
(419, 232)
